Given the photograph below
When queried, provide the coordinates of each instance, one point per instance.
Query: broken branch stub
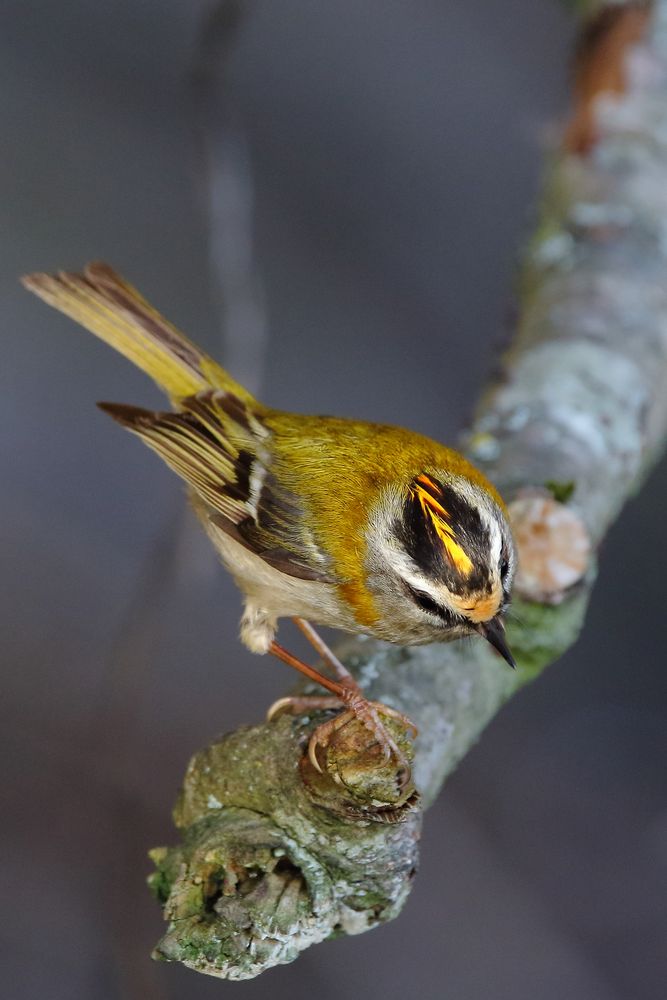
(277, 856)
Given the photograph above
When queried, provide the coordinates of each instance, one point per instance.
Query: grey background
(396, 152)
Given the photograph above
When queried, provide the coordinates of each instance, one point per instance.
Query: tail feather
(104, 303)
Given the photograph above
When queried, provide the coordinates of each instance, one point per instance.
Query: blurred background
(394, 154)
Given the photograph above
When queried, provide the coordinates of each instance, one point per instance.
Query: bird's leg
(344, 675)
(345, 692)
(336, 687)
(320, 646)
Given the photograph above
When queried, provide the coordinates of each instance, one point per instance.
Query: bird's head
(441, 561)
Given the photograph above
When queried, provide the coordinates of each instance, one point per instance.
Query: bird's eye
(504, 567)
(425, 602)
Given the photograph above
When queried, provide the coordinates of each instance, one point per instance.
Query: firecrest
(359, 526)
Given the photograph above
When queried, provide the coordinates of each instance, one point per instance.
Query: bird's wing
(219, 445)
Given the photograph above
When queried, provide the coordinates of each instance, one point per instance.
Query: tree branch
(276, 857)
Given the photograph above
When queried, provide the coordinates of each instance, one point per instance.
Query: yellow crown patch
(441, 521)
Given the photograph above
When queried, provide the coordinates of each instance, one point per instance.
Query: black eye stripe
(426, 603)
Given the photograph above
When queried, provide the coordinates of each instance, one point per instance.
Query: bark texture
(275, 857)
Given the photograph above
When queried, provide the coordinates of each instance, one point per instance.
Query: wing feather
(220, 448)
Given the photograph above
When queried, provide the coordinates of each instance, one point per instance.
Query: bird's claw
(368, 714)
(356, 706)
(302, 704)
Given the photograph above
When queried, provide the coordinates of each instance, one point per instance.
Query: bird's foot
(295, 704)
(356, 706)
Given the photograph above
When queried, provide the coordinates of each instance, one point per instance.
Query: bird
(330, 521)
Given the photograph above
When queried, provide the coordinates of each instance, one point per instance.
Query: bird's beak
(494, 632)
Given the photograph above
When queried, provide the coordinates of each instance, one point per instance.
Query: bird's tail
(103, 302)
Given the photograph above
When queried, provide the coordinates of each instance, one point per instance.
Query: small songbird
(363, 527)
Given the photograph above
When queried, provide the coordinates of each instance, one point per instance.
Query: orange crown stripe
(440, 521)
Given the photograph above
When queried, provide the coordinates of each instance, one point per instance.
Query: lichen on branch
(277, 856)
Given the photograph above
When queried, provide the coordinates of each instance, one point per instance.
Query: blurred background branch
(228, 200)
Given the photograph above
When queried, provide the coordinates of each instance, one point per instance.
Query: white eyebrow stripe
(489, 520)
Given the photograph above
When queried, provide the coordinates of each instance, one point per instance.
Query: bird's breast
(276, 592)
